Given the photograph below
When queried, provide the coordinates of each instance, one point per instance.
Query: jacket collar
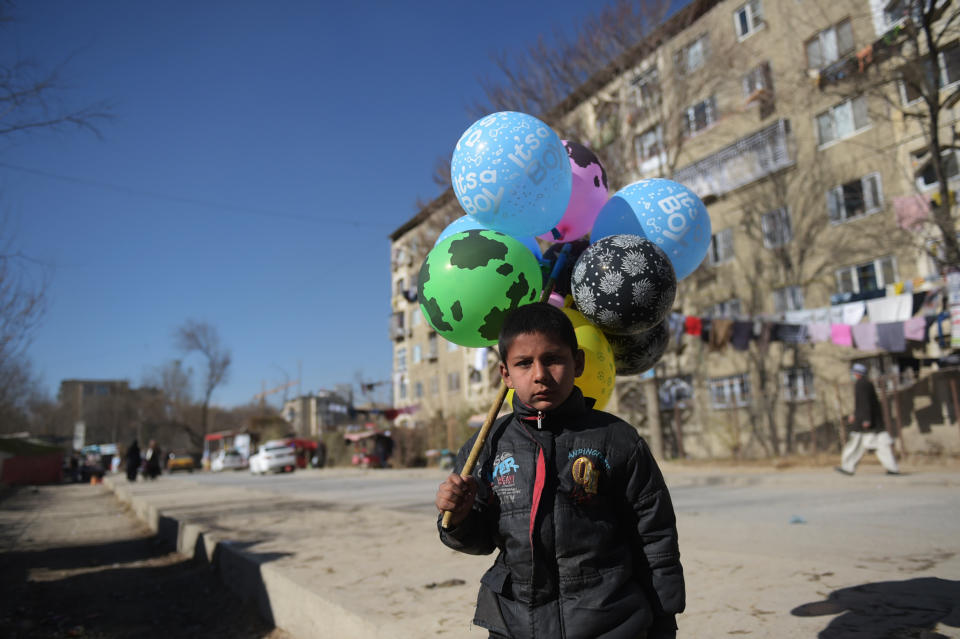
(564, 414)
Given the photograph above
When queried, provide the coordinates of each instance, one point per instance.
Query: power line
(188, 200)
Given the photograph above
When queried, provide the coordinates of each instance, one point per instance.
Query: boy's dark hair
(538, 317)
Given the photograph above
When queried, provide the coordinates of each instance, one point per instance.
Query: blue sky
(259, 157)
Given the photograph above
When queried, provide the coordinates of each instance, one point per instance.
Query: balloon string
(555, 271)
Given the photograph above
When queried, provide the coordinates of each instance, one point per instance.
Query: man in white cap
(867, 431)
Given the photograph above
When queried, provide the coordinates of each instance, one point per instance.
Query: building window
(748, 19)
(402, 388)
(788, 298)
(432, 346)
(869, 276)
(721, 247)
(830, 45)
(418, 390)
(855, 198)
(757, 80)
(401, 359)
(417, 353)
(776, 228)
(912, 85)
(415, 317)
(453, 381)
(644, 91)
(926, 176)
(729, 392)
(451, 347)
(797, 384)
(842, 121)
(434, 385)
(727, 308)
(607, 123)
(649, 145)
(699, 116)
(693, 56)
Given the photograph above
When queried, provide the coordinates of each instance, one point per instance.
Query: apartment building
(766, 110)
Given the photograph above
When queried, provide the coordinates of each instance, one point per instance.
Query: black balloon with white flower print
(624, 284)
(635, 354)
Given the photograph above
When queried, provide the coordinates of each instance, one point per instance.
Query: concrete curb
(280, 600)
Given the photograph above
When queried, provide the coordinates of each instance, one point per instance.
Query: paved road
(790, 553)
(921, 502)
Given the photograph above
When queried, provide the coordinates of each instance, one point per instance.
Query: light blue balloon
(665, 212)
(511, 173)
(467, 223)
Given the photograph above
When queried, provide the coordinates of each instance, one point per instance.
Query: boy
(572, 499)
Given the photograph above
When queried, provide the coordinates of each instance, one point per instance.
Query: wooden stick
(471, 462)
(478, 445)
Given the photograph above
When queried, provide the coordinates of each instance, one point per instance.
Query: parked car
(180, 461)
(273, 457)
(227, 460)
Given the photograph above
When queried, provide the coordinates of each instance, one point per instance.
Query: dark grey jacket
(866, 406)
(583, 523)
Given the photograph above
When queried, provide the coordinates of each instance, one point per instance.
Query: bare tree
(904, 71)
(32, 97)
(202, 338)
(22, 299)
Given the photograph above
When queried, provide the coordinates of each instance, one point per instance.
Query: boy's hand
(456, 495)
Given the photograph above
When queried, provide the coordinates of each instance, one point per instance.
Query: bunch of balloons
(522, 188)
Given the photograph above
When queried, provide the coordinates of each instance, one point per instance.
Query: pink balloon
(587, 197)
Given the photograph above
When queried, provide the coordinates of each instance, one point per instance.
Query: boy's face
(541, 370)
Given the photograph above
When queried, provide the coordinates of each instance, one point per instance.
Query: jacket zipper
(539, 420)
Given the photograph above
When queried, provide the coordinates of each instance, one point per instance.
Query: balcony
(397, 331)
(746, 160)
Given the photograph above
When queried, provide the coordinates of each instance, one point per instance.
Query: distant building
(314, 414)
(102, 406)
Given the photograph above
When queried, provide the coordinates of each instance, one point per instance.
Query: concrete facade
(800, 168)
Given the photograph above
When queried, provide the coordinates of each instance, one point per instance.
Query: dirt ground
(74, 563)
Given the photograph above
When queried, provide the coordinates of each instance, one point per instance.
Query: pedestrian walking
(133, 461)
(153, 460)
(867, 430)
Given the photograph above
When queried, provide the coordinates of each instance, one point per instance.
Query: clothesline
(884, 323)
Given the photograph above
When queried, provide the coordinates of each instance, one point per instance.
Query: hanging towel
(890, 337)
(742, 334)
(721, 330)
(798, 317)
(841, 335)
(789, 333)
(763, 335)
(836, 314)
(890, 309)
(865, 336)
(819, 332)
(692, 325)
(705, 323)
(821, 316)
(915, 329)
(853, 312)
(675, 324)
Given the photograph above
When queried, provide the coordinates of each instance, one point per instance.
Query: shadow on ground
(889, 609)
(132, 586)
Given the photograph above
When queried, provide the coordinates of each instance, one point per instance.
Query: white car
(227, 460)
(273, 457)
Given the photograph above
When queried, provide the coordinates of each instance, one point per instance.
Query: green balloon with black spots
(471, 280)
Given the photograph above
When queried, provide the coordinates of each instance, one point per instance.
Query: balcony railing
(745, 161)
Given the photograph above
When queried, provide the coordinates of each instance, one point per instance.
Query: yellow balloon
(599, 370)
